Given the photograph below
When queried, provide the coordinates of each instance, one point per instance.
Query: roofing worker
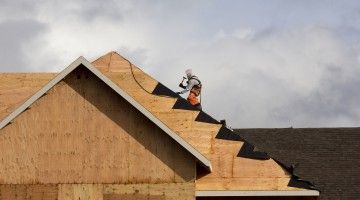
(194, 86)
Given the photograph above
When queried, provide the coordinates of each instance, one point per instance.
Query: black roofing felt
(248, 151)
(327, 157)
(182, 103)
(227, 134)
(203, 117)
(161, 89)
(297, 182)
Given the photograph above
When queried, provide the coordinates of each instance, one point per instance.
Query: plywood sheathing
(80, 191)
(28, 192)
(81, 131)
(174, 191)
(229, 171)
(15, 88)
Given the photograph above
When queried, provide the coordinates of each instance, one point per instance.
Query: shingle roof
(328, 157)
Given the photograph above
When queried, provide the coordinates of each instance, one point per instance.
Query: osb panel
(15, 88)
(28, 192)
(183, 191)
(80, 192)
(118, 68)
(236, 173)
(111, 62)
(83, 132)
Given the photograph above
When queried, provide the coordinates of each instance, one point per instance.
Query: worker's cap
(188, 72)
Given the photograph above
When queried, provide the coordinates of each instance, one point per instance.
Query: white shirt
(191, 83)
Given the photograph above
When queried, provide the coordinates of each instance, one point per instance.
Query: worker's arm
(189, 86)
(182, 83)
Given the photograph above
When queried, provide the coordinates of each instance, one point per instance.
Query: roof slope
(220, 145)
(236, 166)
(329, 157)
(15, 88)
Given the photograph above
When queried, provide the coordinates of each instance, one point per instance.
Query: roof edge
(253, 193)
(41, 92)
(298, 128)
(117, 89)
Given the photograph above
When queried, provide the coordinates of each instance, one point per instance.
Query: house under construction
(108, 131)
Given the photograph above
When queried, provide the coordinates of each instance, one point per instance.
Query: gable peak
(111, 62)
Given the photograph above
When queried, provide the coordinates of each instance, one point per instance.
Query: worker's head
(188, 73)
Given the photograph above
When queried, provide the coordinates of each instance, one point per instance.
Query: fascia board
(251, 193)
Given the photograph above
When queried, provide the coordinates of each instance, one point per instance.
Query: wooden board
(83, 132)
(28, 192)
(80, 192)
(183, 191)
(15, 88)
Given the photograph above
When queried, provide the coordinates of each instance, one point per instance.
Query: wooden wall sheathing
(229, 171)
(83, 132)
(80, 192)
(28, 192)
(183, 191)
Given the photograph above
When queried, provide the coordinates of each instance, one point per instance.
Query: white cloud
(255, 74)
(249, 81)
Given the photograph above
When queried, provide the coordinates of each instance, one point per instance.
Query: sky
(263, 63)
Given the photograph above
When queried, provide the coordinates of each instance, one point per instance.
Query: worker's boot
(198, 106)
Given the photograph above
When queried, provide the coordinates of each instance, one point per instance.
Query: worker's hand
(182, 85)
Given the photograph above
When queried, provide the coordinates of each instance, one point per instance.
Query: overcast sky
(277, 63)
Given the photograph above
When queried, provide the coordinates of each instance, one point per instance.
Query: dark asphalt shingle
(327, 157)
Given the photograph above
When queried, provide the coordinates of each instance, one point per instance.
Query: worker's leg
(198, 106)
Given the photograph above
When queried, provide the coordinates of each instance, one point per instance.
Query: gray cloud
(12, 10)
(137, 56)
(335, 101)
(90, 10)
(15, 36)
(267, 78)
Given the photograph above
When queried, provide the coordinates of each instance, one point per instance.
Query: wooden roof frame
(82, 61)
